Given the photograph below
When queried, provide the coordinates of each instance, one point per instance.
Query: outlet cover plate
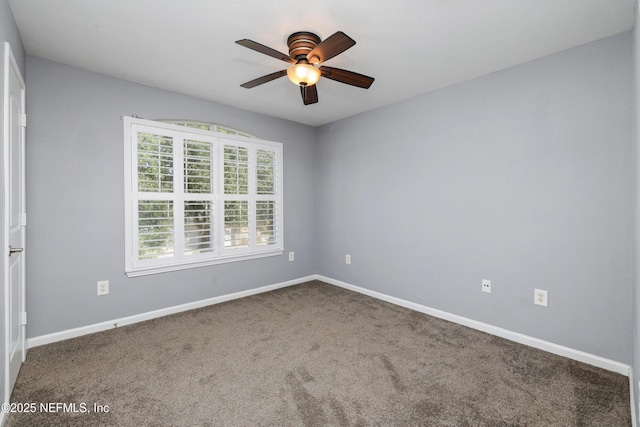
(103, 287)
(486, 286)
(541, 297)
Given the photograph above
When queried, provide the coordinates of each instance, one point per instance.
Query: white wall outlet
(486, 286)
(541, 297)
(103, 287)
(347, 259)
(292, 256)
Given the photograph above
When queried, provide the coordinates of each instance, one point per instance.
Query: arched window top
(207, 126)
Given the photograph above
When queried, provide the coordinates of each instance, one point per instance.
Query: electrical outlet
(291, 256)
(347, 259)
(486, 286)
(541, 297)
(103, 287)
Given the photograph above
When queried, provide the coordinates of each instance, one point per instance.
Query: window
(196, 197)
(208, 126)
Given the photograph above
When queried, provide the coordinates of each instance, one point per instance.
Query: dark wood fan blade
(330, 47)
(309, 94)
(265, 49)
(348, 77)
(264, 79)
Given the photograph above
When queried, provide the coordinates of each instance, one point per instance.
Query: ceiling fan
(306, 52)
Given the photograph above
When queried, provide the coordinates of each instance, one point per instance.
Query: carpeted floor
(310, 355)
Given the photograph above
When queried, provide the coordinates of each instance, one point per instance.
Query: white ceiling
(409, 46)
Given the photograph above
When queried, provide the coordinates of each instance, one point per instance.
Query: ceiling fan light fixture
(306, 53)
(303, 74)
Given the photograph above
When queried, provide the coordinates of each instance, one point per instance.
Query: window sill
(144, 271)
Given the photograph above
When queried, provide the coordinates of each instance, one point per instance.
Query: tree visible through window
(196, 197)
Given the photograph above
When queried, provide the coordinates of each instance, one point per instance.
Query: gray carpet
(311, 355)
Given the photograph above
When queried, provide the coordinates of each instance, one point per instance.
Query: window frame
(220, 254)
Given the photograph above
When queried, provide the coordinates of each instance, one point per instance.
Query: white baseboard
(110, 324)
(634, 419)
(581, 356)
(560, 350)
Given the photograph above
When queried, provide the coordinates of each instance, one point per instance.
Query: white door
(14, 219)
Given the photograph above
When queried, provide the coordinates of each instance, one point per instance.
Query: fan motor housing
(301, 43)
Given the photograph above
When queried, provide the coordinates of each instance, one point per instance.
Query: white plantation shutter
(198, 227)
(267, 208)
(196, 197)
(174, 197)
(155, 195)
(199, 195)
(236, 224)
(198, 167)
(266, 223)
(155, 229)
(265, 172)
(236, 189)
(236, 170)
(155, 163)
(155, 184)
(251, 221)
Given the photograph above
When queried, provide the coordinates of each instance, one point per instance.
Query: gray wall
(523, 177)
(75, 200)
(8, 33)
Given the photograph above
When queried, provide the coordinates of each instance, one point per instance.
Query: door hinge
(23, 219)
(23, 120)
(23, 320)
